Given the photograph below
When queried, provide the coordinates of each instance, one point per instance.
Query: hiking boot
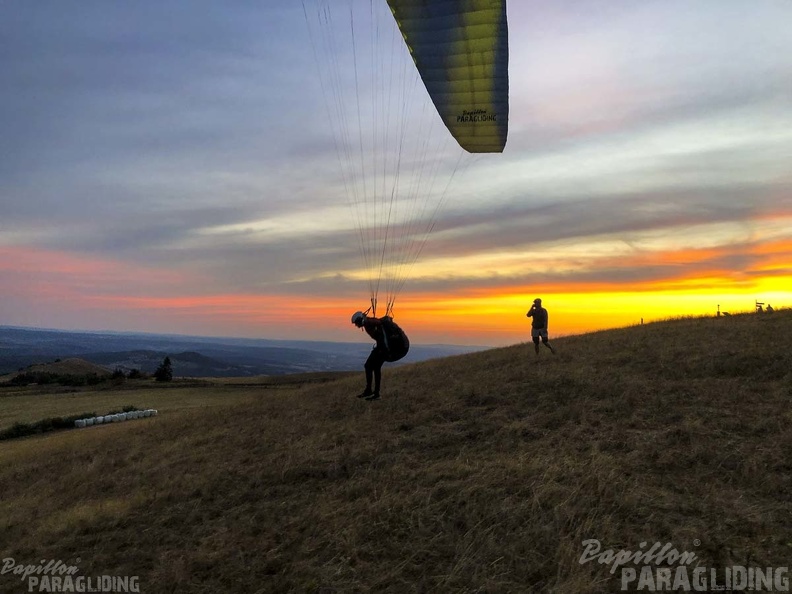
(365, 394)
(373, 396)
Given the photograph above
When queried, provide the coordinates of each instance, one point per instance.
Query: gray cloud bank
(129, 129)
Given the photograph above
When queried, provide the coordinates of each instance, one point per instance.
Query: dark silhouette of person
(539, 325)
(373, 365)
(391, 344)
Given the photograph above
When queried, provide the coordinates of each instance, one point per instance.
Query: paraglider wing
(386, 70)
(461, 50)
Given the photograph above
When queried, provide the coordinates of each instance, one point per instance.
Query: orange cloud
(678, 283)
(94, 293)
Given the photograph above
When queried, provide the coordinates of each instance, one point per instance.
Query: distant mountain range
(193, 356)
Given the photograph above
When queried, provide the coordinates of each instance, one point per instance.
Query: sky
(172, 167)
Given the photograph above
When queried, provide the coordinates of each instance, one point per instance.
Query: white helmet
(357, 318)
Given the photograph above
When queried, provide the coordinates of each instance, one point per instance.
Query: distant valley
(193, 356)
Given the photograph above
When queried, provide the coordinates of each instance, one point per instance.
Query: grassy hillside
(70, 366)
(477, 473)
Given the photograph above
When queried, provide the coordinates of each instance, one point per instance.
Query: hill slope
(70, 366)
(476, 473)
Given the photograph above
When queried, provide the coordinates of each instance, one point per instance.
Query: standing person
(539, 325)
(391, 344)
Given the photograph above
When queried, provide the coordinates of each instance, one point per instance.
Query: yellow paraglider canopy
(461, 49)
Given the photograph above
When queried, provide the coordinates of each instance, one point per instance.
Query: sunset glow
(495, 315)
(646, 176)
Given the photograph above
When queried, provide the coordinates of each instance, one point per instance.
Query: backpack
(396, 342)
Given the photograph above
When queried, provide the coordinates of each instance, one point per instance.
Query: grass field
(27, 404)
(479, 473)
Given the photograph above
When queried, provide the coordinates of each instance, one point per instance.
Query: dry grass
(27, 404)
(477, 473)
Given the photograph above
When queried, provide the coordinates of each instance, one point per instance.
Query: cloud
(183, 151)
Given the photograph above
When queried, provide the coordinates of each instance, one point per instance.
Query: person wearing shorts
(539, 325)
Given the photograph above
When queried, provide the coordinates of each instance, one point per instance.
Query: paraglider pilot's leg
(373, 369)
(369, 373)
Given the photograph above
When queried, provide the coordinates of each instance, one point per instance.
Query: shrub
(53, 424)
(63, 379)
(42, 426)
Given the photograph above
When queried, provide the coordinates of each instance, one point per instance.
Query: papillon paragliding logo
(477, 115)
(660, 567)
(56, 576)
